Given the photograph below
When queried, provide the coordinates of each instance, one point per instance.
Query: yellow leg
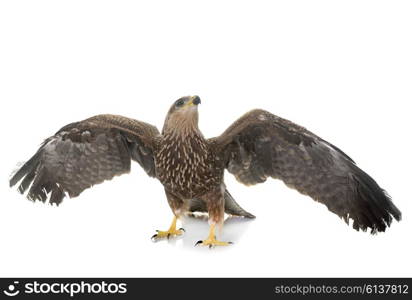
(211, 239)
(171, 232)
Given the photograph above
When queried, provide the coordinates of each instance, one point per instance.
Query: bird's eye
(179, 103)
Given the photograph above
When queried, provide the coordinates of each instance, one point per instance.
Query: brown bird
(191, 168)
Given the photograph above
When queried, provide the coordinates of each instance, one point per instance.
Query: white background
(343, 69)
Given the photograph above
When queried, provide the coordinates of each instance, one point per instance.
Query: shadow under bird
(191, 168)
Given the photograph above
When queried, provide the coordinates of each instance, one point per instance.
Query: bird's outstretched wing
(261, 145)
(86, 153)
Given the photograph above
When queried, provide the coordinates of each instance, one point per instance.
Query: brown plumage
(191, 168)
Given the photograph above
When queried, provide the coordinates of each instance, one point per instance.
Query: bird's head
(183, 115)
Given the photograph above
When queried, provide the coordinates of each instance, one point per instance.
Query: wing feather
(260, 145)
(86, 153)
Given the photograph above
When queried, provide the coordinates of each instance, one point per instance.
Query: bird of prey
(191, 168)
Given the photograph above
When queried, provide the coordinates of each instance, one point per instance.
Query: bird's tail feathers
(231, 207)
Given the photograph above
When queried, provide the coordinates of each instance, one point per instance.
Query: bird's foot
(212, 242)
(172, 232)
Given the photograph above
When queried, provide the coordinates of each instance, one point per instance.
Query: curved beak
(193, 100)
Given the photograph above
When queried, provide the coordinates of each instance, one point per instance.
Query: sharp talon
(182, 229)
(198, 242)
(168, 236)
(157, 230)
(230, 243)
(154, 237)
(210, 246)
